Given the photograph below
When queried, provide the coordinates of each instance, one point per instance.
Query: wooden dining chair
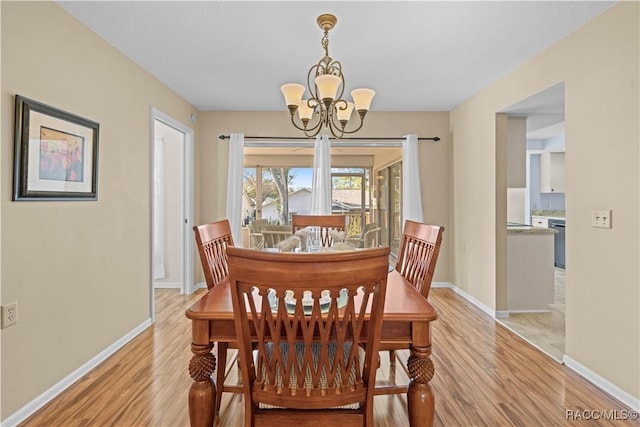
(308, 315)
(325, 222)
(274, 234)
(417, 257)
(368, 238)
(213, 240)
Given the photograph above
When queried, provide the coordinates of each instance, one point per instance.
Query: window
(366, 186)
(350, 196)
(281, 192)
(389, 205)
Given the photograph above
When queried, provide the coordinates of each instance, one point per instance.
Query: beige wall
(80, 271)
(435, 159)
(599, 66)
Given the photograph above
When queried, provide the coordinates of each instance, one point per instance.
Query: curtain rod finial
(223, 137)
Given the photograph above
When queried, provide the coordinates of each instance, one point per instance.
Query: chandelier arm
(311, 83)
(333, 115)
(311, 135)
(335, 130)
(347, 132)
(315, 128)
(338, 68)
(318, 124)
(293, 122)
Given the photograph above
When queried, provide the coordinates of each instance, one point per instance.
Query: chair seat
(315, 351)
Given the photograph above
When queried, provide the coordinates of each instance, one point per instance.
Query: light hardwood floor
(544, 330)
(484, 376)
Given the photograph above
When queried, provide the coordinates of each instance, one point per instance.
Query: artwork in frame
(55, 154)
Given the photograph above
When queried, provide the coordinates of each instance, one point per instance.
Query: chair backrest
(212, 240)
(368, 227)
(370, 238)
(419, 249)
(306, 313)
(257, 225)
(273, 234)
(325, 222)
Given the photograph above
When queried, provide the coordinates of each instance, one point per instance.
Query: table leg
(202, 394)
(420, 401)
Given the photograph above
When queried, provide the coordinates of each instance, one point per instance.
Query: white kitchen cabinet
(540, 221)
(552, 172)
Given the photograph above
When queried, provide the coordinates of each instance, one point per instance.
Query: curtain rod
(294, 138)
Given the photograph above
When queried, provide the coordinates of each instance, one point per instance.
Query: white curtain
(321, 187)
(234, 186)
(157, 268)
(411, 194)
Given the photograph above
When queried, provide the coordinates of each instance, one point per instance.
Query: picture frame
(55, 154)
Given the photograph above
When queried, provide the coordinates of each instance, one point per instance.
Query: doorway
(540, 153)
(171, 205)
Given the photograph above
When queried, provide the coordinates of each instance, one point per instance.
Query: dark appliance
(558, 241)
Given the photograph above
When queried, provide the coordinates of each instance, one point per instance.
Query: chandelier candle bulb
(292, 94)
(305, 111)
(362, 98)
(327, 87)
(344, 112)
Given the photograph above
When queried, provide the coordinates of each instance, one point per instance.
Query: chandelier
(325, 82)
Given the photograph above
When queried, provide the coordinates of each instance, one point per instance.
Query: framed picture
(55, 155)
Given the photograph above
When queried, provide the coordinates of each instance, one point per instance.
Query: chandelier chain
(325, 43)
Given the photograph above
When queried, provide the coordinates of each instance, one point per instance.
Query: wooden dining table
(407, 318)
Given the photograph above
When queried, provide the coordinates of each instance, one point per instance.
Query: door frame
(187, 202)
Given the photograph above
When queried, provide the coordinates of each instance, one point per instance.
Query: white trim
(442, 285)
(167, 285)
(502, 314)
(521, 311)
(602, 383)
(37, 403)
(187, 286)
(589, 375)
(473, 300)
(199, 285)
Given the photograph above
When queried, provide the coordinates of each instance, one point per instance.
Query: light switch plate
(601, 218)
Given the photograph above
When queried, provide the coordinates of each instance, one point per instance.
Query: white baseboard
(30, 408)
(167, 285)
(505, 313)
(592, 377)
(441, 285)
(603, 384)
(473, 300)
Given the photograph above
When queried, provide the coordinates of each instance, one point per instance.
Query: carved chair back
(325, 222)
(307, 315)
(212, 240)
(419, 249)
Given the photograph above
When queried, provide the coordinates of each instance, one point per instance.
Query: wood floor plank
(485, 376)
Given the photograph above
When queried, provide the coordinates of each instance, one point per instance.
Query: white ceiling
(417, 55)
(544, 112)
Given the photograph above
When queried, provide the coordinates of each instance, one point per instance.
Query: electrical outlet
(9, 314)
(601, 218)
